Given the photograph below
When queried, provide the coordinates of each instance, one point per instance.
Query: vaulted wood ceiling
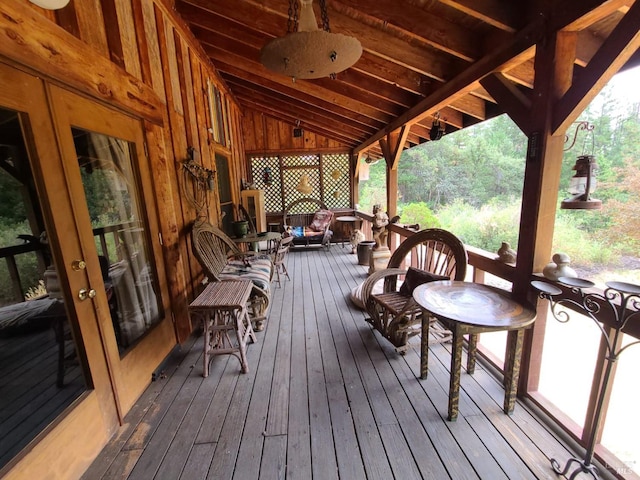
(420, 57)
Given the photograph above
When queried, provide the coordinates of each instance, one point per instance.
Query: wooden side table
(222, 307)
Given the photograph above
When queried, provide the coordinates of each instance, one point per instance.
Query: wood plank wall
(138, 56)
(263, 133)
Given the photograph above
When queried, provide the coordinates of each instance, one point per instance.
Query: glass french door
(82, 321)
(110, 185)
(55, 381)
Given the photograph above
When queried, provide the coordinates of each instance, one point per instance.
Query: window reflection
(120, 232)
(40, 373)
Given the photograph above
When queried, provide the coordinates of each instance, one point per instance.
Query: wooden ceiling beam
(337, 86)
(467, 80)
(576, 15)
(383, 90)
(470, 105)
(413, 22)
(502, 15)
(391, 72)
(248, 90)
(309, 88)
(522, 73)
(513, 101)
(338, 112)
(619, 46)
(266, 18)
(292, 120)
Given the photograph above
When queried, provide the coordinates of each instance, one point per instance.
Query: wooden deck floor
(325, 398)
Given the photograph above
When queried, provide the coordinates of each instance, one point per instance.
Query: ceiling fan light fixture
(310, 52)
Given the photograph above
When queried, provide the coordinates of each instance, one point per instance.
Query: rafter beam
(392, 146)
(502, 15)
(621, 44)
(511, 99)
(415, 23)
(310, 88)
(466, 81)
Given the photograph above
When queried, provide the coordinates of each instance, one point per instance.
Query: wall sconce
(583, 182)
(203, 178)
(437, 128)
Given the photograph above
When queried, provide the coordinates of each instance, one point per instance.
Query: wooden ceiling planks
(419, 57)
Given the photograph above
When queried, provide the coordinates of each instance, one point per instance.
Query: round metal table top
(473, 304)
(258, 237)
(347, 218)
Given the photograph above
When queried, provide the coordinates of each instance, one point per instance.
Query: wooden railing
(105, 236)
(9, 254)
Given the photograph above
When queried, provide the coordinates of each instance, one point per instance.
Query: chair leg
(284, 270)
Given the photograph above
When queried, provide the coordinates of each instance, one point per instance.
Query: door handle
(78, 265)
(83, 294)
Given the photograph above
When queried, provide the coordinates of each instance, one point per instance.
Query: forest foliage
(470, 182)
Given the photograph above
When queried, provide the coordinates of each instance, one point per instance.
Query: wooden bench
(221, 260)
(222, 307)
(298, 221)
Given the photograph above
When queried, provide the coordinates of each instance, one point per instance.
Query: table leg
(206, 335)
(424, 345)
(242, 340)
(456, 366)
(512, 368)
(471, 353)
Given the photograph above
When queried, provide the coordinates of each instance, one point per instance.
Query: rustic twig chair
(279, 257)
(221, 259)
(393, 312)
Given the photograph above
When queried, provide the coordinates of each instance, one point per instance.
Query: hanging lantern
(437, 128)
(304, 186)
(583, 183)
(266, 176)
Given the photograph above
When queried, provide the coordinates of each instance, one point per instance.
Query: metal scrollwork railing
(623, 301)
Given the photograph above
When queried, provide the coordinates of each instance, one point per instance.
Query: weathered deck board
(325, 397)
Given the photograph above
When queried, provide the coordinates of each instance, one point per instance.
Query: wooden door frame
(132, 373)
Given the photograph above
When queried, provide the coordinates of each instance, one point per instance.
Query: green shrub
(420, 213)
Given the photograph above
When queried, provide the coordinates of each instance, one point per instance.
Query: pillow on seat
(321, 219)
(296, 231)
(415, 277)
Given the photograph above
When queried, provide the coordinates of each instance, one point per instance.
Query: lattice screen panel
(328, 177)
(335, 180)
(272, 192)
(301, 161)
(291, 179)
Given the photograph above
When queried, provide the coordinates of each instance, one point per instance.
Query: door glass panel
(120, 232)
(40, 373)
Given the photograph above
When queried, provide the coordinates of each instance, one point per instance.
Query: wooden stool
(222, 306)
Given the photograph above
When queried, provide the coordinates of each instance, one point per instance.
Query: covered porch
(325, 397)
